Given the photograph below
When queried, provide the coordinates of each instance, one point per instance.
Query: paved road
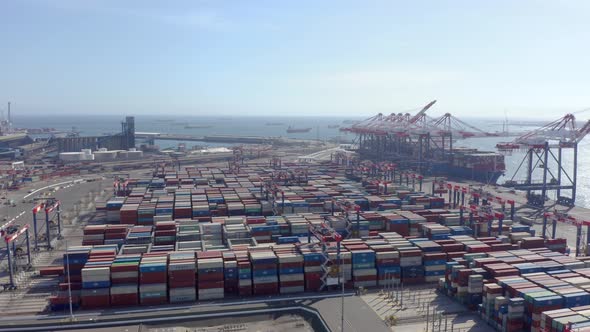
(359, 317)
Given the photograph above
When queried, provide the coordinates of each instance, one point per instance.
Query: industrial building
(124, 140)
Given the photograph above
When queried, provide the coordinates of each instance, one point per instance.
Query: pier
(151, 137)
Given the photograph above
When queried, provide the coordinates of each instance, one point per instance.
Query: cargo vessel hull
(485, 176)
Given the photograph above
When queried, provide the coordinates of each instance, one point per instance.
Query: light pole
(69, 282)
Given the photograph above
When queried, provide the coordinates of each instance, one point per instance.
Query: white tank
(134, 154)
(105, 155)
(71, 156)
(87, 157)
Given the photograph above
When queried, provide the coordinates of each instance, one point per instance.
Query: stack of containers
(211, 234)
(188, 236)
(490, 293)
(139, 235)
(96, 277)
(230, 273)
(411, 265)
(313, 259)
(475, 289)
(299, 226)
(388, 267)
(115, 234)
(434, 266)
(165, 233)
(343, 268)
(414, 221)
(264, 272)
(397, 223)
(244, 273)
(235, 228)
(182, 204)
(153, 277)
(200, 205)
(210, 275)
(146, 213)
(128, 213)
(164, 206)
(113, 207)
(124, 279)
(291, 278)
(181, 277)
(364, 273)
(75, 259)
(93, 235)
(261, 232)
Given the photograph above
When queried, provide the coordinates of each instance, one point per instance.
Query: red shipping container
(366, 278)
(91, 302)
(245, 290)
(181, 274)
(153, 278)
(210, 276)
(124, 299)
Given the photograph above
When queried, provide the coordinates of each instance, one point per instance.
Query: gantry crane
(417, 142)
(544, 170)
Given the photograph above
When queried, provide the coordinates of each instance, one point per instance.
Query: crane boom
(422, 112)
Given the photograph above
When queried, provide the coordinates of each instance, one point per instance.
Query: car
(30, 191)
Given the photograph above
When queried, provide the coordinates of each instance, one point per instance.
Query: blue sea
(257, 126)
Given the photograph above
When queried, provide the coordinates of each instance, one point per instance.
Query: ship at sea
(292, 130)
(274, 124)
(197, 126)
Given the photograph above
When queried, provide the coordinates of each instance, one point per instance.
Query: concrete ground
(421, 308)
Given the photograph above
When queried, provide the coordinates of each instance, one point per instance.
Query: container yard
(309, 167)
(203, 235)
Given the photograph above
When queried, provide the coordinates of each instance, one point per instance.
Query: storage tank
(134, 154)
(105, 155)
(71, 156)
(87, 157)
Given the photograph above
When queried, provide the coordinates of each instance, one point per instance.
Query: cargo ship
(291, 130)
(471, 164)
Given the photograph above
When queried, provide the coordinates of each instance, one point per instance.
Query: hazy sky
(529, 58)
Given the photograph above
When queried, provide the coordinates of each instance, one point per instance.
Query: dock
(210, 138)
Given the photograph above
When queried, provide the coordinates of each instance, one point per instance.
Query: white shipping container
(364, 272)
(124, 289)
(125, 274)
(265, 280)
(145, 288)
(244, 282)
(291, 277)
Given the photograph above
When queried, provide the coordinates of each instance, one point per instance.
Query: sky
(526, 59)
